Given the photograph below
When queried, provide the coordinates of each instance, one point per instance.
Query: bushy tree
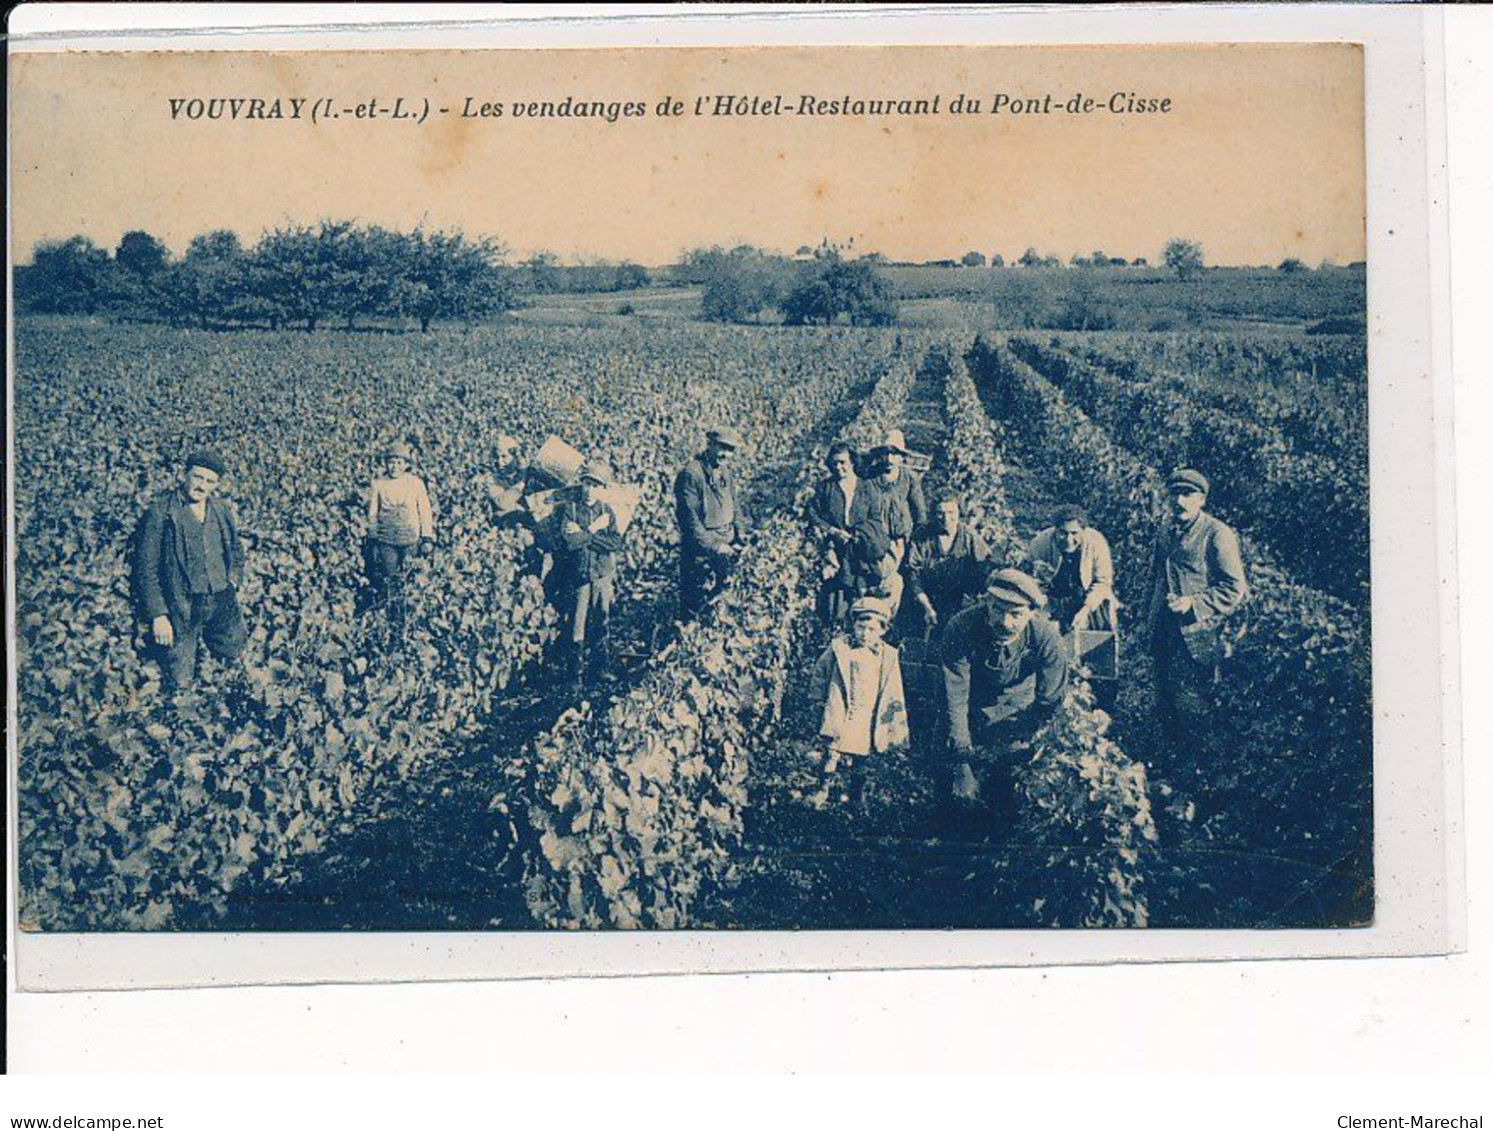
(448, 277)
(972, 259)
(209, 282)
(631, 276)
(739, 285)
(834, 288)
(543, 269)
(1291, 266)
(1185, 257)
(72, 276)
(296, 276)
(1030, 258)
(141, 254)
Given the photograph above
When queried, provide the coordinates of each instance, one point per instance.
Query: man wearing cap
(705, 506)
(186, 565)
(586, 541)
(896, 498)
(1197, 580)
(1005, 674)
(947, 563)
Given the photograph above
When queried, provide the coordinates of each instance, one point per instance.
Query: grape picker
(186, 565)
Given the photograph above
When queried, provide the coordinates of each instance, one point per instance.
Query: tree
(738, 284)
(292, 276)
(208, 282)
(1185, 257)
(997, 260)
(972, 259)
(544, 273)
(1030, 258)
(447, 276)
(1291, 266)
(141, 254)
(72, 276)
(631, 276)
(833, 288)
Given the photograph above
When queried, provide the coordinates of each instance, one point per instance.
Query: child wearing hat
(400, 519)
(858, 678)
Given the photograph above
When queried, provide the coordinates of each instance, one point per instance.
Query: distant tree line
(818, 287)
(544, 274)
(331, 273)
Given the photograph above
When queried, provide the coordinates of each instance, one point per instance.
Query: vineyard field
(453, 782)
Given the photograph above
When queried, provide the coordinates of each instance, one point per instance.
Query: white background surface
(1304, 1023)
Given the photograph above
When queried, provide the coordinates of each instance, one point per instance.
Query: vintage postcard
(547, 494)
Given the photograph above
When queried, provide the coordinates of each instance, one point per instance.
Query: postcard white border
(1419, 885)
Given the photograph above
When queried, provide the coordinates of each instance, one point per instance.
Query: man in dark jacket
(947, 564)
(709, 524)
(1005, 673)
(586, 543)
(1197, 580)
(902, 489)
(186, 565)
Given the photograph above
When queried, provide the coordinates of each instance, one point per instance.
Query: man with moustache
(1005, 674)
(1197, 580)
(186, 565)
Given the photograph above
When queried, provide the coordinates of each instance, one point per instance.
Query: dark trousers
(385, 565)
(215, 621)
(1184, 691)
(701, 575)
(586, 626)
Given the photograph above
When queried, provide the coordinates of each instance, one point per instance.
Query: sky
(1258, 157)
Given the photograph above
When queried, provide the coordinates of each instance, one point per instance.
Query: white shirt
(399, 511)
(847, 486)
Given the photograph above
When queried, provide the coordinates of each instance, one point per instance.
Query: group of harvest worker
(1002, 636)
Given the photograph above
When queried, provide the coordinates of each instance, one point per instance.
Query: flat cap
(725, 436)
(1189, 478)
(871, 606)
(399, 449)
(206, 458)
(595, 471)
(1017, 589)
